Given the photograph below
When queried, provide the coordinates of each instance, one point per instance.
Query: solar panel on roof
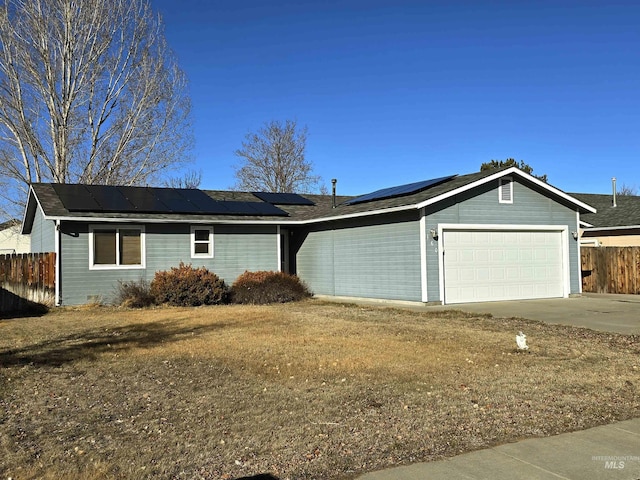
(76, 198)
(283, 198)
(110, 198)
(143, 199)
(201, 201)
(175, 202)
(398, 191)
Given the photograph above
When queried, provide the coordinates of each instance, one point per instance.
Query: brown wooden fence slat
(610, 269)
(26, 277)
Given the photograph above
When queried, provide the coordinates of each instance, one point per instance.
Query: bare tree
(190, 179)
(627, 190)
(89, 92)
(274, 160)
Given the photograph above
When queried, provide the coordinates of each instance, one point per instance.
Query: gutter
(606, 229)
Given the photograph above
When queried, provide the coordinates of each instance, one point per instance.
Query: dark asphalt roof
(625, 213)
(53, 206)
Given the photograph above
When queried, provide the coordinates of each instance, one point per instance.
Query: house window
(116, 247)
(505, 190)
(201, 242)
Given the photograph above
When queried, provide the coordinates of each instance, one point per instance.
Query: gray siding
(42, 233)
(376, 260)
(530, 207)
(315, 262)
(236, 249)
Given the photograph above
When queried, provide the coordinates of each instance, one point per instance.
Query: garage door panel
(502, 265)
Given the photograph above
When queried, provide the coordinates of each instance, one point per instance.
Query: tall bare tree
(89, 92)
(274, 160)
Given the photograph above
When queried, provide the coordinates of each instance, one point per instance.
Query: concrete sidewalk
(606, 452)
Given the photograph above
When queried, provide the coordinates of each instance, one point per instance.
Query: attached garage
(486, 263)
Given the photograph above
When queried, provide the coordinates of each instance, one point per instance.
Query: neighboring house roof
(9, 223)
(626, 213)
(49, 197)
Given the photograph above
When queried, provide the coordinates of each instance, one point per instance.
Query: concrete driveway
(604, 312)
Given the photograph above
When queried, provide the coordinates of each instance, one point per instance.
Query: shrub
(268, 287)
(185, 286)
(134, 294)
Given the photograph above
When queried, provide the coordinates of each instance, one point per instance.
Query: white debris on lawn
(521, 341)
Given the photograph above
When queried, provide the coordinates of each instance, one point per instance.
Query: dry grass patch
(305, 390)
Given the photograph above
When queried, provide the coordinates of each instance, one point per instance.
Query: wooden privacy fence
(611, 269)
(27, 277)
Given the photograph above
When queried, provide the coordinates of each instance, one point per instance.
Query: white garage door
(489, 265)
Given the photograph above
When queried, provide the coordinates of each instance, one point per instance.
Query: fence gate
(610, 269)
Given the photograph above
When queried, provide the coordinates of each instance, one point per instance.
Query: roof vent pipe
(613, 185)
(333, 192)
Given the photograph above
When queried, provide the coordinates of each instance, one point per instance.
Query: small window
(201, 242)
(116, 247)
(505, 190)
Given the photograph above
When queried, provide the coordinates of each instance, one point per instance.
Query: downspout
(57, 253)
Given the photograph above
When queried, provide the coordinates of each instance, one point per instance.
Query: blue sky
(396, 92)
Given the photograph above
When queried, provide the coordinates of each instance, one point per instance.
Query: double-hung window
(116, 247)
(201, 242)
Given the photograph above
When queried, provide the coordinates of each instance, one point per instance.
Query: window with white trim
(505, 190)
(116, 247)
(201, 242)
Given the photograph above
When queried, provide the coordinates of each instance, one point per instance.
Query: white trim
(56, 248)
(143, 250)
(566, 263)
(502, 181)
(605, 229)
(26, 207)
(221, 221)
(441, 228)
(423, 255)
(193, 242)
(589, 241)
(579, 266)
(564, 229)
(509, 171)
(139, 220)
(584, 224)
(279, 248)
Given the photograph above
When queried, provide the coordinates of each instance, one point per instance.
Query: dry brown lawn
(304, 390)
